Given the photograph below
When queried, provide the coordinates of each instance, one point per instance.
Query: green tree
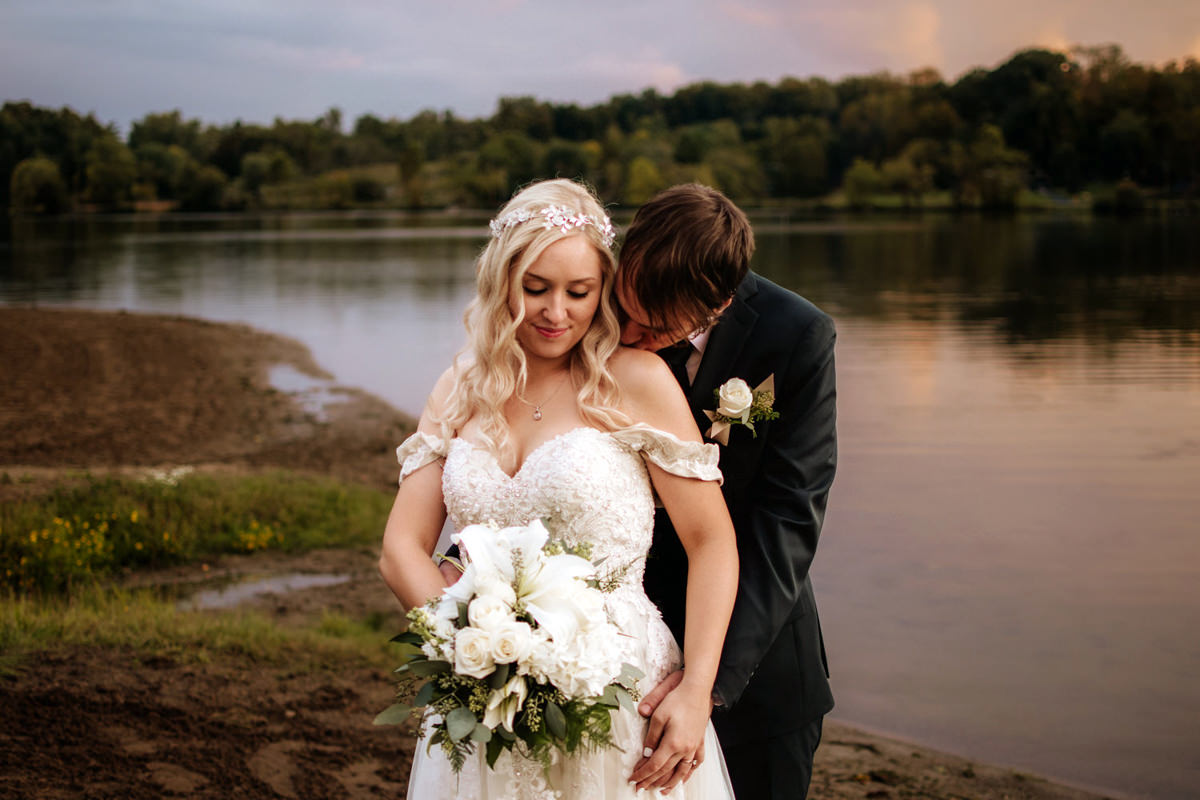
(164, 167)
(514, 153)
(37, 187)
(526, 116)
(1127, 146)
(861, 183)
(167, 129)
(737, 173)
(568, 160)
(202, 188)
(795, 156)
(907, 178)
(63, 136)
(254, 171)
(645, 180)
(111, 171)
(991, 175)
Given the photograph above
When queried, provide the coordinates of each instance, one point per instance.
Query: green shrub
(77, 533)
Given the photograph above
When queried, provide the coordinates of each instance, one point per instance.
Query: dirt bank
(101, 390)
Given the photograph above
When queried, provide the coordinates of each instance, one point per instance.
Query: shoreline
(116, 391)
(1016, 781)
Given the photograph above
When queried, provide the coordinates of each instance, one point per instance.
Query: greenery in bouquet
(518, 653)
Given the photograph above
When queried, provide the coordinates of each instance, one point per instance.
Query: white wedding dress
(591, 486)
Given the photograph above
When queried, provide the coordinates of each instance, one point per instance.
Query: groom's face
(636, 327)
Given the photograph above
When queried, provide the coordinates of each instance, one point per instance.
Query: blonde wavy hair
(492, 368)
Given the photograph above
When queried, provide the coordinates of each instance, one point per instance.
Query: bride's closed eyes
(578, 294)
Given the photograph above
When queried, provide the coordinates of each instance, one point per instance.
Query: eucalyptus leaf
(463, 619)
(427, 668)
(424, 695)
(393, 714)
(500, 676)
(482, 733)
(630, 673)
(495, 747)
(408, 637)
(609, 698)
(624, 698)
(506, 734)
(556, 721)
(460, 723)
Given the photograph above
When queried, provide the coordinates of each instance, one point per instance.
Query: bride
(545, 417)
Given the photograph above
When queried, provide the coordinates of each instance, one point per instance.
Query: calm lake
(1010, 568)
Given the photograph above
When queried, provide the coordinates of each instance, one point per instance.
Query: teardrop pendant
(537, 414)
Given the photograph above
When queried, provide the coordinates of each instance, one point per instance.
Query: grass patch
(149, 626)
(82, 531)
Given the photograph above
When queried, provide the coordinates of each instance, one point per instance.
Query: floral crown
(559, 217)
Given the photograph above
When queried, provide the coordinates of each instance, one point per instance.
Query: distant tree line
(1044, 121)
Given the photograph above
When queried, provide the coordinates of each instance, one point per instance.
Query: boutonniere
(737, 404)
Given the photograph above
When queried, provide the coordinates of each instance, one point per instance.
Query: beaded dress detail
(588, 486)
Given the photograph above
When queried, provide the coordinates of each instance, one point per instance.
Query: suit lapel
(725, 344)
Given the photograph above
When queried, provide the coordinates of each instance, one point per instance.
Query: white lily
(504, 703)
(549, 588)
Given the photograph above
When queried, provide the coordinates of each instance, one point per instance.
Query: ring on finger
(695, 763)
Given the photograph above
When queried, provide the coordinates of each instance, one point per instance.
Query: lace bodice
(587, 485)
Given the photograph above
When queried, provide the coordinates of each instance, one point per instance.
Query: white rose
(735, 398)
(511, 641)
(495, 587)
(591, 606)
(473, 653)
(487, 611)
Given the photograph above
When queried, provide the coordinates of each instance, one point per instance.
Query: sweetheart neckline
(528, 456)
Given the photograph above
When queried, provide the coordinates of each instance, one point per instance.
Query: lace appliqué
(418, 450)
(687, 459)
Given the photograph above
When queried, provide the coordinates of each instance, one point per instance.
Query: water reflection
(1032, 280)
(236, 593)
(1007, 569)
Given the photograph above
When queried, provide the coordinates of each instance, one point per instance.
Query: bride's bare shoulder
(640, 371)
(436, 403)
(650, 393)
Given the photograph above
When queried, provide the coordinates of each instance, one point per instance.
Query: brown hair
(685, 253)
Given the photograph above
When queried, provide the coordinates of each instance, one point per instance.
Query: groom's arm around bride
(772, 686)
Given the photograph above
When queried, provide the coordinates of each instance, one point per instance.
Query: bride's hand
(450, 573)
(674, 743)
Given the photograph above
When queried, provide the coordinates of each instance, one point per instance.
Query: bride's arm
(700, 518)
(414, 525)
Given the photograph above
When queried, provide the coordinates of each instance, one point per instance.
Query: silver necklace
(537, 407)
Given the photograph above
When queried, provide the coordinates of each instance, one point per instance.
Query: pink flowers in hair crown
(559, 217)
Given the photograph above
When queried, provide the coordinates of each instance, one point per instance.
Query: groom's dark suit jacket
(773, 676)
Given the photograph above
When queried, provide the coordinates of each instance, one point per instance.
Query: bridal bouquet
(519, 650)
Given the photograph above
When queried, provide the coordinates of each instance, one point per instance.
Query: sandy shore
(114, 391)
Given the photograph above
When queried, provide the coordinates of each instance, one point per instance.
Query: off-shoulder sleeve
(417, 451)
(665, 450)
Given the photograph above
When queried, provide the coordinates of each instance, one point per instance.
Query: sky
(255, 60)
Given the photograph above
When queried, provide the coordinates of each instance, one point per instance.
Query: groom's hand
(650, 702)
(674, 742)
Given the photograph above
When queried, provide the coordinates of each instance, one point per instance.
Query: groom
(684, 281)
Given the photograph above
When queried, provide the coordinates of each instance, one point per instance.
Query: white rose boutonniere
(737, 404)
(734, 399)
